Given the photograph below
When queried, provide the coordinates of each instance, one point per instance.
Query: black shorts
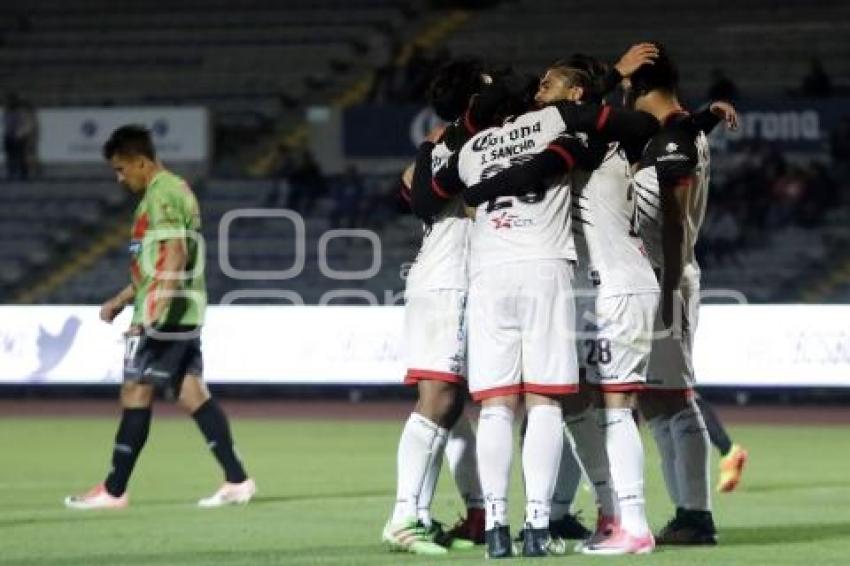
(165, 358)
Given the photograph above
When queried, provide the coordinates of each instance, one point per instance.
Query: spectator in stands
(722, 87)
(16, 130)
(817, 82)
(348, 194)
(788, 192)
(721, 232)
(839, 146)
(307, 183)
(821, 194)
(385, 87)
(383, 205)
(283, 168)
(29, 133)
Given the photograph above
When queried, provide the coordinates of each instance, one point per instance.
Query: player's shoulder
(676, 141)
(679, 128)
(169, 184)
(441, 152)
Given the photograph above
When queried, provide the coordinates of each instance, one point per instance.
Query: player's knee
(193, 394)
(619, 400)
(440, 402)
(136, 395)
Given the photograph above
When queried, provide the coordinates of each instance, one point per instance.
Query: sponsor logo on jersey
(489, 139)
(671, 147)
(507, 221)
(437, 163)
(159, 374)
(673, 157)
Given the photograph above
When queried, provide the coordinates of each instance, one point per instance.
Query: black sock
(213, 424)
(129, 441)
(719, 438)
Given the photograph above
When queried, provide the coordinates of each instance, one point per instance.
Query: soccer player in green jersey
(163, 346)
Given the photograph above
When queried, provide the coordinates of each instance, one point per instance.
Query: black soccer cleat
(688, 528)
(538, 542)
(498, 541)
(568, 527)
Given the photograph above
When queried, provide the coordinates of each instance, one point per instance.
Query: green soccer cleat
(448, 539)
(412, 536)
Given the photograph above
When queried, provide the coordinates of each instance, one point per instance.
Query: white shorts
(671, 362)
(620, 352)
(521, 320)
(435, 335)
(585, 292)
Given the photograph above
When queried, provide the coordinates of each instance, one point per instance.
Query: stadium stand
(195, 53)
(766, 47)
(42, 223)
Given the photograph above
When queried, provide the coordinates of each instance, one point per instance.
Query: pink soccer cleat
(605, 526)
(230, 494)
(96, 498)
(619, 541)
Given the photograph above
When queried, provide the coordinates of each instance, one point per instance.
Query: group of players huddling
(572, 288)
(557, 270)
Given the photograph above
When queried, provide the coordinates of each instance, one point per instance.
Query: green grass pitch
(326, 489)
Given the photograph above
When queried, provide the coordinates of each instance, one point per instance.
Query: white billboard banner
(77, 135)
(750, 346)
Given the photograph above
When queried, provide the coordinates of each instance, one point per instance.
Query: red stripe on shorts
(415, 375)
(497, 392)
(620, 387)
(540, 389)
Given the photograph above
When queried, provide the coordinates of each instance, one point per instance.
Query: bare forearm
(126, 295)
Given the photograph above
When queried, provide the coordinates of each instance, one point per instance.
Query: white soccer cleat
(230, 494)
(96, 498)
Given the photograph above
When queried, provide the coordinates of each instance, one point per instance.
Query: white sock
(589, 444)
(460, 454)
(625, 454)
(432, 475)
(420, 441)
(692, 452)
(660, 427)
(495, 451)
(541, 454)
(568, 479)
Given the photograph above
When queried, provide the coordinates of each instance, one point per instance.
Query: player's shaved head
(661, 74)
(131, 140)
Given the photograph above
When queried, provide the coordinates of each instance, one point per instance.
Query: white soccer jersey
(442, 259)
(529, 227)
(679, 152)
(602, 212)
